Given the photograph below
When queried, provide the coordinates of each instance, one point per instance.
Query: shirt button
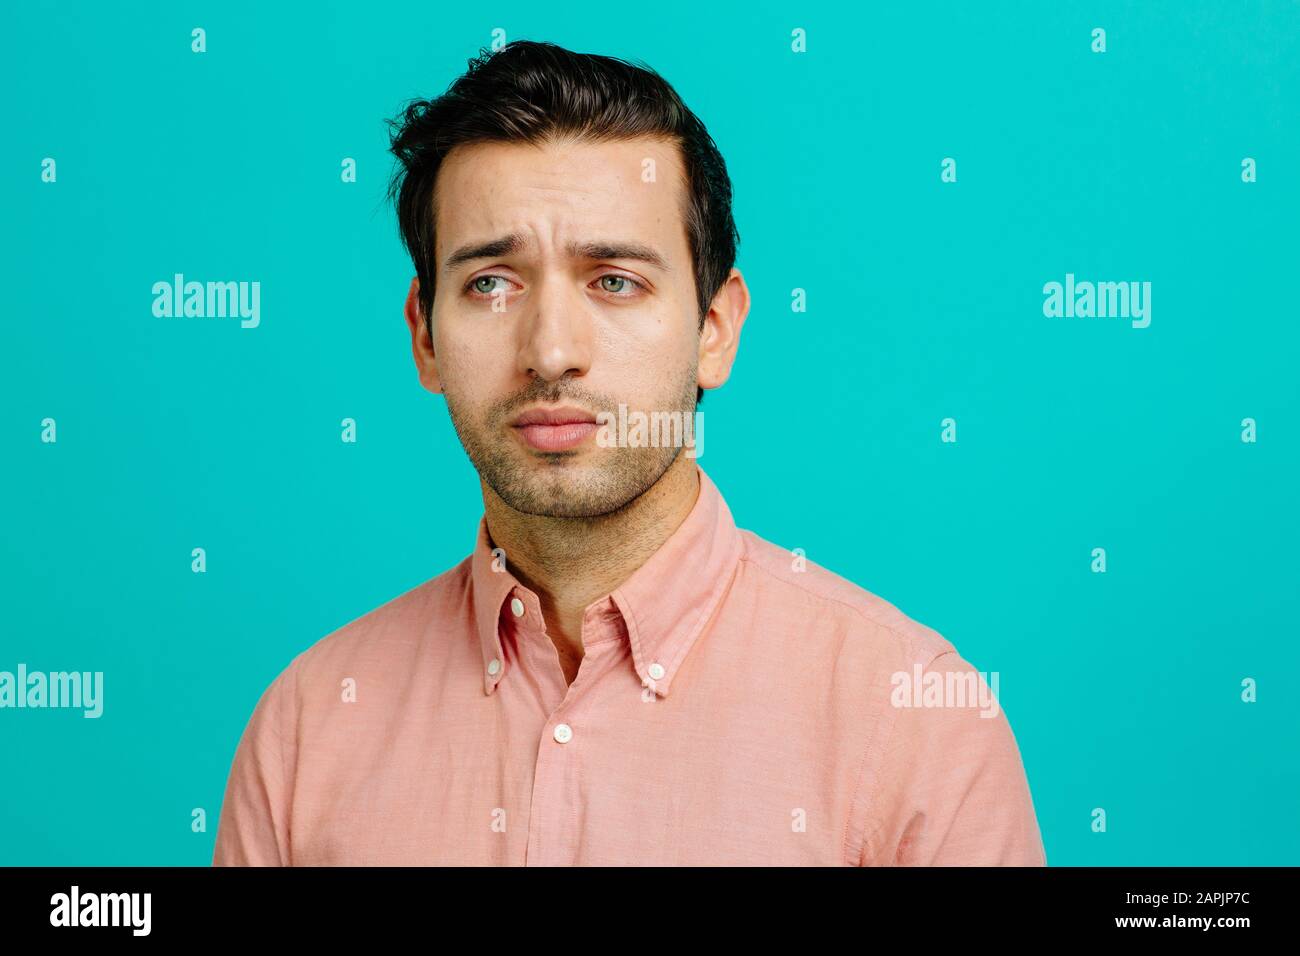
(494, 665)
(656, 670)
(517, 607)
(563, 733)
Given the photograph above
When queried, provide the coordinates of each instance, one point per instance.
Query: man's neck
(571, 562)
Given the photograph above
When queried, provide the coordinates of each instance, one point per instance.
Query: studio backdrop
(1021, 360)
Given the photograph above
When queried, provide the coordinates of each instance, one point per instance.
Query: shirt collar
(665, 604)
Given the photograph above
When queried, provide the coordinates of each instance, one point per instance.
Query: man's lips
(560, 415)
(555, 429)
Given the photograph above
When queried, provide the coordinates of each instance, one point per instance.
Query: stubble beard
(587, 483)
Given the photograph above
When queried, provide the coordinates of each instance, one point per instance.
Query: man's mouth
(555, 429)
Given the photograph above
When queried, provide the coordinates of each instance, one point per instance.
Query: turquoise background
(925, 301)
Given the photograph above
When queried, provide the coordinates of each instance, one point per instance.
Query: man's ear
(720, 337)
(421, 346)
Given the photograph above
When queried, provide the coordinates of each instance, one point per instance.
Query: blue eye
(474, 284)
(623, 281)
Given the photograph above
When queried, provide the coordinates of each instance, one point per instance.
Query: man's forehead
(625, 188)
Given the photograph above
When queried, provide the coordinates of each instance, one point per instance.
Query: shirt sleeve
(254, 826)
(951, 788)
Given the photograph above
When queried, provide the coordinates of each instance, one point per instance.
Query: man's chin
(574, 485)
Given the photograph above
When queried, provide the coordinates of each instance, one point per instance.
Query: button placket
(550, 817)
(559, 756)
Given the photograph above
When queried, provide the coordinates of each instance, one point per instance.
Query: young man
(617, 674)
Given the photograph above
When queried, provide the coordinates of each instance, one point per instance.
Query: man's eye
(621, 283)
(476, 284)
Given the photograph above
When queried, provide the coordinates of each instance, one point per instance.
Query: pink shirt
(735, 706)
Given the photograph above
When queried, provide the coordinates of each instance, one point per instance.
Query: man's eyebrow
(618, 250)
(491, 249)
(596, 249)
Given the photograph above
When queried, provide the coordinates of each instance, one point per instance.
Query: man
(617, 674)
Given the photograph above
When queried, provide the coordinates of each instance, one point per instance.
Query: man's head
(570, 224)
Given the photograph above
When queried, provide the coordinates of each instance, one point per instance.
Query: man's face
(571, 318)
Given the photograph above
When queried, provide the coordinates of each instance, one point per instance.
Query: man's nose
(556, 330)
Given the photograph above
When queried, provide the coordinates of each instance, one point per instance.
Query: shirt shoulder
(937, 785)
(817, 593)
(384, 641)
